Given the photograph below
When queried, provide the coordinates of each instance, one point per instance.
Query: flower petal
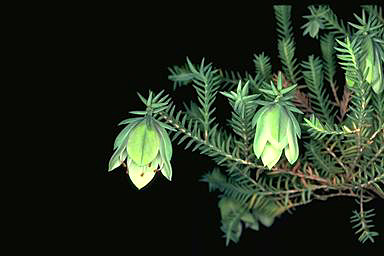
(270, 155)
(139, 175)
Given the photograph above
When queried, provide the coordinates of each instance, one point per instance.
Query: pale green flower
(276, 130)
(146, 146)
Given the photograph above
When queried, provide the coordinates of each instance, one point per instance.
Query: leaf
(130, 120)
(166, 126)
(138, 112)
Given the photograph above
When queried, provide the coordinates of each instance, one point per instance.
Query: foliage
(343, 137)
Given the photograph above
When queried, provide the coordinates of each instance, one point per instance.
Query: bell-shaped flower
(276, 130)
(146, 146)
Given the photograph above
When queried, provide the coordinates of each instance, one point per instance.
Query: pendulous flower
(277, 129)
(146, 147)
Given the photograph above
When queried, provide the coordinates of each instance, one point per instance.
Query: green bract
(143, 144)
(146, 146)
(378, 77)
(276, 130)
(373, 68)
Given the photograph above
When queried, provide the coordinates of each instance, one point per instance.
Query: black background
(128, 49)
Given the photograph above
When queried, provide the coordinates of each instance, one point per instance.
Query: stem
(378, 153)
(301, 175)
(337, 159)
(325, 197)
(205, 142)
(335, 93)
(292, 190)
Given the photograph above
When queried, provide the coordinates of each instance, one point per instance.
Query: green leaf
(288, 89)
(142, 98)
(270, 92)
(138, 112)
(263, 66)
(166, 126)
(130, 120)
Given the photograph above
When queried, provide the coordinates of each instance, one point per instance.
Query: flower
(276, 130)
(146, 147)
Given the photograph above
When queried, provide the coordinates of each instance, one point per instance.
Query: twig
(301, 175)
(333, 87)
(337, 159)
(347, 95)
(325, 197)
(370, 141)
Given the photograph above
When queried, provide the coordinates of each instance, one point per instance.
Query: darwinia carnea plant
(260, 171)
